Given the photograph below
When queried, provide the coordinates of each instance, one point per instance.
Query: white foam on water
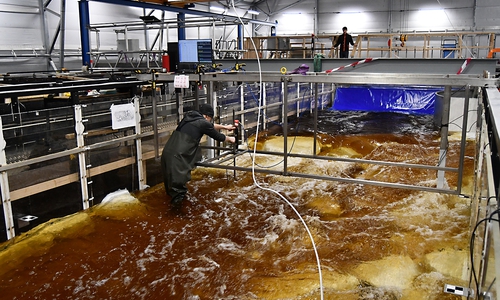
(432, 216)
(269, 238)
(119, 195)
(127, 280)
(160, 280)
(228, 245)
(208, 214)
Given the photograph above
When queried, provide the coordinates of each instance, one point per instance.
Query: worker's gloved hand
(230, 139)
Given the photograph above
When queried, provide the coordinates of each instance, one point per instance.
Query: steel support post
(179, 103)
(285, 125)
(4, 186)
(84, 11)
(444, 135)
(138, 144)
(82, 164)
(463, 140)
(315, 117)
(155, 118)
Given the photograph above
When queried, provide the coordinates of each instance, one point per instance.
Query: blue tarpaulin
(414, 100)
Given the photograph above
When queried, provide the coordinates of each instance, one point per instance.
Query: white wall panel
(20, 31)
(439, 20)
(488, 15)
(386, 15)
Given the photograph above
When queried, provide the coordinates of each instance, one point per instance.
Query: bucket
(165, 62)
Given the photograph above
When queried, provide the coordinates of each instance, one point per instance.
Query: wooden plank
(112, 166)
(69, 77)
(43, 186)
(94, 132)
(424, 37)
(67, 179)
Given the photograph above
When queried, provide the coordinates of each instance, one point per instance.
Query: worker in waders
(181, 151)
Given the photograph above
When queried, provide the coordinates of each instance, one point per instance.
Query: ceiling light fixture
(253, 12)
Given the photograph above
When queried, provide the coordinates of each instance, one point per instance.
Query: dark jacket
(344, 40)
(181, 152)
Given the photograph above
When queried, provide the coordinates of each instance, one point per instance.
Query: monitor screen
(197, 51)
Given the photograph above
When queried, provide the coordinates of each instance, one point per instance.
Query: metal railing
(278, 97)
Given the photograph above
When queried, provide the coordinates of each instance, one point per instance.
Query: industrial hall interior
(250, 149)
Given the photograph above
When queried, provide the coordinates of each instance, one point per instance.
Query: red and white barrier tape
(351, 65)
(464, 65)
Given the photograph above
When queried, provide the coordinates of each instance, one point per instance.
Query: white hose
(254, 153)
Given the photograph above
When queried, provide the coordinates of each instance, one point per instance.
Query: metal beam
(339, 78)
(380, 65)
(58, 89)
(182, 10)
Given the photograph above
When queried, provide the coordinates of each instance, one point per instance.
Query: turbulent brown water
(233, 240)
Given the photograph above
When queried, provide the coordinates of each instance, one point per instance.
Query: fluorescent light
(253, 12)
(217, 9)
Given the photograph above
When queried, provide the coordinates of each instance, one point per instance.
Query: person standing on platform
(181, 152)
(343, 41)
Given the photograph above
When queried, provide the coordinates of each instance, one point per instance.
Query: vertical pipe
(211, 95)
(162, 31)
(83, 6)
(464, 139)
(322, 95)
(181, 26)
(316, 21)
(155, 117)
(168, 28)
(125, 36)
(235, 146)
(264, 103)
(62, 36)
(146, 43)
(444, 135)
(212, 100)
(242, 116)
(213, 33)
(332, 95)
(44, 32)
(179, 104)
(145, 28)
(5, 190)
(240, 37)
(285, 125)
(315, 117)
(474, 18)
(298, 97)
(389, 25)
(197, 93)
